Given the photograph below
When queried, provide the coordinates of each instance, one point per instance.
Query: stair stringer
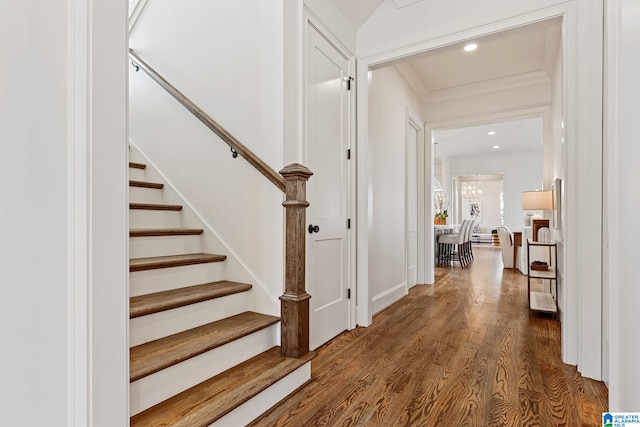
(261, 299)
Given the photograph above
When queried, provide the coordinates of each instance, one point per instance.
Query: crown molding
(490, 86)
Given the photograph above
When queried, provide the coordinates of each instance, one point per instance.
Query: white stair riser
(142, 218)
(259, 404)
(155, 388)
(141, 247)
(158, 325)
(164, 279)
(145, 195)
(136, 174)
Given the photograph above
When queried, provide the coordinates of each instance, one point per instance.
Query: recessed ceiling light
(470, 47)
(493, 132)
(495, 147)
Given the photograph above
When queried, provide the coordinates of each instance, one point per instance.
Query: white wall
(554, 166)
(227, 57)
(522, 172)
(390, 97)
(623, 152)
(34, 251)
(553, 123)
(63, 267)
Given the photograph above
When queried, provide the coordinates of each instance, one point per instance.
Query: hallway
(463, 352)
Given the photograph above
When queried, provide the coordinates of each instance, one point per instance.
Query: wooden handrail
(294, 303)
(236, 145)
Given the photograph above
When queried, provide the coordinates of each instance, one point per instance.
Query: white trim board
(98, 302)
(413, 120)
(135, 14)
(388, 297)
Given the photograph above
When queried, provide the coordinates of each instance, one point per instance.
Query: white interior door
(327, 141)
(411, 205)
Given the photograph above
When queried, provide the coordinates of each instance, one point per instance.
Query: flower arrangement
(441, 218)
(441, 208)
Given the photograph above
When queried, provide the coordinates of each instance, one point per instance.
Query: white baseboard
(385, 299)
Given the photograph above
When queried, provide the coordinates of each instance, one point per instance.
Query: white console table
(543, 300)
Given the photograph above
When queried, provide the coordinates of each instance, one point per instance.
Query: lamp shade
(537, 200)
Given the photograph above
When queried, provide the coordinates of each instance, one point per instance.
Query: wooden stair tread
(160, 301)
(152, 263)
(136, 165)
(146, 184)
(210, 400)
(155, 207)
(151, 357)
(155, 232)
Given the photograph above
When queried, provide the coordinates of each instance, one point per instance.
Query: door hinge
(349, 154)
(348, 80)
(349, 223)
(349, 293)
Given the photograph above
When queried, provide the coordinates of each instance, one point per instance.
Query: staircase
(198, 357)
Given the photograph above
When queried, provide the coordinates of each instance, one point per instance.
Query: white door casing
(327, 134)
(411, 204)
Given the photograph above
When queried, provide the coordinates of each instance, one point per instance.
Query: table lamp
(538, 200)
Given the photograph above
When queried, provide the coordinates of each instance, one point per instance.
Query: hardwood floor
(465, 352)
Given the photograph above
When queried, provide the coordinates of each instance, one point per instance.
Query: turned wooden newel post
(295, 301)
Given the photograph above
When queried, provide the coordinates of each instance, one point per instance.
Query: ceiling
(524, 51)
(530, 50)
(357, 11)
(515, 135)
(527, 49)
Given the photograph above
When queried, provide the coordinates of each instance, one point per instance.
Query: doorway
(581, 337)
(488, 166)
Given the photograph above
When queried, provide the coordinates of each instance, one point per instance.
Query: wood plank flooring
(464, 352)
